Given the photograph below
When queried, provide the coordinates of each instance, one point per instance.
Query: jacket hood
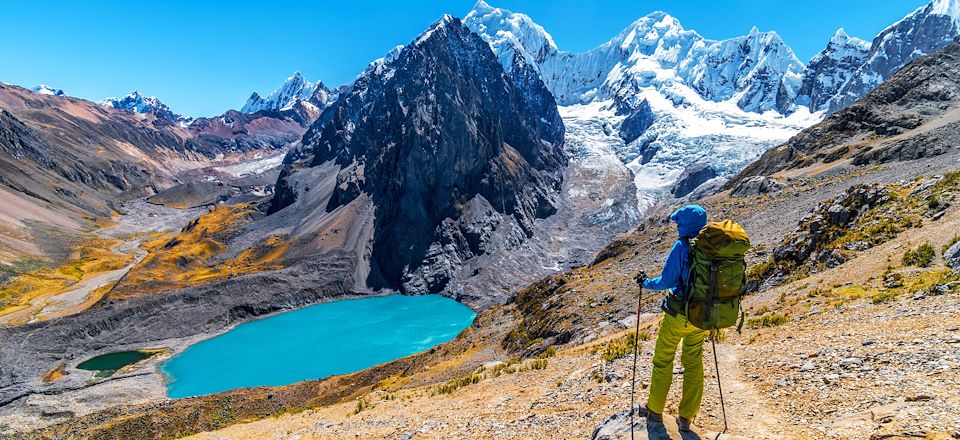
(690, 220)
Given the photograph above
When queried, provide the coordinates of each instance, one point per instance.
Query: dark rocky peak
(637, 122)
(431, 134)
(831, 69)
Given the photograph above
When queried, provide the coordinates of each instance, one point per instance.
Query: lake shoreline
(143, 384)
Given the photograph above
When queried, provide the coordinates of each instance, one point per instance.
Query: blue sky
(203, 57)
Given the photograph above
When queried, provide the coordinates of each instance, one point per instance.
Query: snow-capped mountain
(671, 96)
(44, 89)
(139, 103)
(652, 51)
(831, 69)
(924, 31)
(295, 88)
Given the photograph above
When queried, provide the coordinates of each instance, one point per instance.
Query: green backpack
(718, 276)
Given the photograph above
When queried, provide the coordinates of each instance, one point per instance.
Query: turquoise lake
(314, 342)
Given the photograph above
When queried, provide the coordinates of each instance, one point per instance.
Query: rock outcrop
(756, 185)
(692, 177)
(952, 256)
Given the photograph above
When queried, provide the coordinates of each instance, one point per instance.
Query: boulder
(692, 177)
(637, 122)
(755, 186)
(952, 256)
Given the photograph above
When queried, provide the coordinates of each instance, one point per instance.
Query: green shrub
(535, 364)
(948, 181)
(884, 296)
(621, 347)
(362, 404)
(922, 256)
(770, 320)
(950, 243)
(550, 352)
(761, 270)
(505, 367)
(460, 382)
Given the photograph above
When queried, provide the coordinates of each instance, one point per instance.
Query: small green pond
(107, 364)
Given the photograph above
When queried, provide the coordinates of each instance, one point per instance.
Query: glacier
(706, 100)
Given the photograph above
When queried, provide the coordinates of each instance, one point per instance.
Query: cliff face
(448, 148)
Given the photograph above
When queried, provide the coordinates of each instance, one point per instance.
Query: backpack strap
(711, 291)
(743, 290)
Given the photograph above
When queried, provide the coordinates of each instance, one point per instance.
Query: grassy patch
(922, 256)
(768, 320)
(534, 364)
(55, 374)
(193, 256)
(950, 180)
(460, 382)
(843, 295)
(950, 244)
(362, 404)
(35, 278)
(508, 367)
(621, 347)
(882, 296)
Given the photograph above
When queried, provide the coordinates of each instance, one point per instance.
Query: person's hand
(640, 278)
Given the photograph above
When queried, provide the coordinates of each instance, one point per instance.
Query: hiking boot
(649, 414)
(684, 424)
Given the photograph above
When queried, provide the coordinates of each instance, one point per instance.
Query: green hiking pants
(673, 330)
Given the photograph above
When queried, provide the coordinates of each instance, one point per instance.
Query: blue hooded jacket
(690, 220)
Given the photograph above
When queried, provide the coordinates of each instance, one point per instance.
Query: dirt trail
(748, 415)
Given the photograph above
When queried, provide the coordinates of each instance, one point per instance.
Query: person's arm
(670, 276)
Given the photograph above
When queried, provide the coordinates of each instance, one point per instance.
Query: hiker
(675, 328)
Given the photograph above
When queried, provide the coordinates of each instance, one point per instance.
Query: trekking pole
(636, 344)
(716, 364)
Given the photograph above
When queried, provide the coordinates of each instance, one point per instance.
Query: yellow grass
(54, 375)
(91, 257)
(190, 257)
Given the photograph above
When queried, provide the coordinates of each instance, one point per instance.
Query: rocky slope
(875, 356)
(69, 164)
